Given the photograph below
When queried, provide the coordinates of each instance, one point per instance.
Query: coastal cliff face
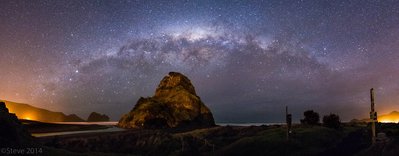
(174, 105)
(28, 112)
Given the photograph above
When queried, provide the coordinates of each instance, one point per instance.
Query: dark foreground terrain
(352, 139)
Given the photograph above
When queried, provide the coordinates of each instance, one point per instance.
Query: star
(239, 55)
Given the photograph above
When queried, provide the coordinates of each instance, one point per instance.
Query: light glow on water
(112, 129)
(249, 124)
(107, 123)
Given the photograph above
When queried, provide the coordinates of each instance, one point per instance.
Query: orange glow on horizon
(24, 111)
(22, 114)
(27, 117)
(390, 118)
(389, 121)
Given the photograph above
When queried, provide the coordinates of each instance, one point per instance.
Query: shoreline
(37, 127)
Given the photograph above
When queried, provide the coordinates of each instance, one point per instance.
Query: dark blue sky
(247, 59)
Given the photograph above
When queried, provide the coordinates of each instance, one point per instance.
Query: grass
(238, 140)
(304, 141)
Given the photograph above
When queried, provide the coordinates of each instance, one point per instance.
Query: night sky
(247, 59)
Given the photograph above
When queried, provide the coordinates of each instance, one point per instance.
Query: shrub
(311, 118)
(332, 121)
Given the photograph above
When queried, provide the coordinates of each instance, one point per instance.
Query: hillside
(28, 112)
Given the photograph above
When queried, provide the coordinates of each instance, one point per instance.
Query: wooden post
(288, 118)
(373, 116)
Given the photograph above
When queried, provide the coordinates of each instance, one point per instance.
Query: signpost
(373, 115)
(288, 118)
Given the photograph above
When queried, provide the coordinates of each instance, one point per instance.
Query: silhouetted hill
(25, 111)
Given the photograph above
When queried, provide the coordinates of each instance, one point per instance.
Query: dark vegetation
(311, 118)
(332, 121)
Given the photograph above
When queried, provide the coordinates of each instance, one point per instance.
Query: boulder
(96, 117)
(174, 105)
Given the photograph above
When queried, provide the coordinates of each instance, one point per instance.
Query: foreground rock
(96, 117)
(12, 133)
(174, 105)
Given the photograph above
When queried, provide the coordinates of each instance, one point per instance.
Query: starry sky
(247, 59)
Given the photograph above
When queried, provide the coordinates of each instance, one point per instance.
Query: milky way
(247, 59)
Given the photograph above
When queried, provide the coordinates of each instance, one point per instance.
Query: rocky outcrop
(12, 132)
(174, 105)
(96, 117)
(72, 118)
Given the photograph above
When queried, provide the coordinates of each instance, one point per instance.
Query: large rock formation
(96, 117)
(12, 133)
(175, 104)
